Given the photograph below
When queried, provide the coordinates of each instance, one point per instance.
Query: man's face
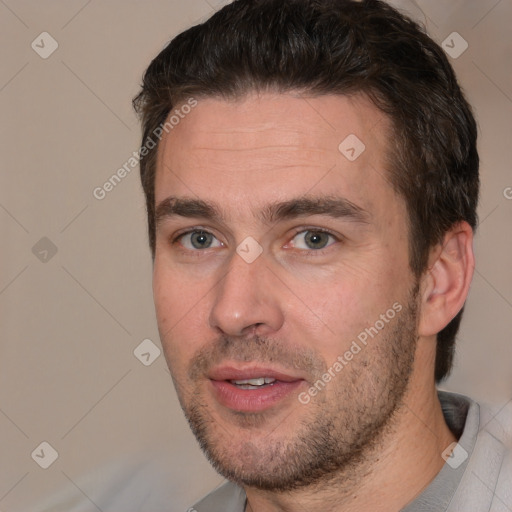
(278, 256)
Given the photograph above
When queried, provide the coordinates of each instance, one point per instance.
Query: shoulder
(487, 480)
(226, 498)
(503, 491)
(496, 422)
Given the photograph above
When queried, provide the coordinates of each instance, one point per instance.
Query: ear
(445, 284)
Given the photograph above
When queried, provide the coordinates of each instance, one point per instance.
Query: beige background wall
(71, 320)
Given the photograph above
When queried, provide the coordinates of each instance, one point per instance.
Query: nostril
(251, 329)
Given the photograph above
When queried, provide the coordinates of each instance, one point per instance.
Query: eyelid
(176, 237)
(304, 229)
(301, 229)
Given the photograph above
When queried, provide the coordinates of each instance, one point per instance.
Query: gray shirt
(476, 478)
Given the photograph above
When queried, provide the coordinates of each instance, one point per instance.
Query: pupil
(316, 240)
(200, 239)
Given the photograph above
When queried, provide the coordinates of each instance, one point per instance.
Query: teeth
(254, 382)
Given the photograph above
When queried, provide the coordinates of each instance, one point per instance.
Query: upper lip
(250, 372)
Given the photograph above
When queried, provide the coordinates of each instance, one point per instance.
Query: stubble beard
(340, 430)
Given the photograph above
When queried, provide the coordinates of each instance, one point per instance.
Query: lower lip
(252, 400)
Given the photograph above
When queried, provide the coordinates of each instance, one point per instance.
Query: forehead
(268, 147)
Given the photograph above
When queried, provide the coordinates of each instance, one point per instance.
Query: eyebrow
(336, 207)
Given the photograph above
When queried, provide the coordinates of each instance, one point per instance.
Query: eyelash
(174, 240)
(297, 231)
(315, 252)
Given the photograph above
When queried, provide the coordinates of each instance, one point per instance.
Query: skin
(298, 308)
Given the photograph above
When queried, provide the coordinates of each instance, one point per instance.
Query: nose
(246, 300)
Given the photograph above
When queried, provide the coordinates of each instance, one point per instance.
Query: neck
(397, 469)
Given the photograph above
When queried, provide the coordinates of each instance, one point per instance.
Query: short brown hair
(337, 47)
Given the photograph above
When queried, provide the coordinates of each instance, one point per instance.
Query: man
(311, 177)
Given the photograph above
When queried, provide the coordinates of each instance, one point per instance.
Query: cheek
(180, 313)
(174, 292)
(164, 296)
(344, 312)
(335, 309)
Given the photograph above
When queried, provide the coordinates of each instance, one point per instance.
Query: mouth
(257, 383)
(252, 389)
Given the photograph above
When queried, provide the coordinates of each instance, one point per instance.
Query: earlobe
(446, 283)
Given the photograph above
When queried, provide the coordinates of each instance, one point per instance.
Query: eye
(198, 239)
(312, 239)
